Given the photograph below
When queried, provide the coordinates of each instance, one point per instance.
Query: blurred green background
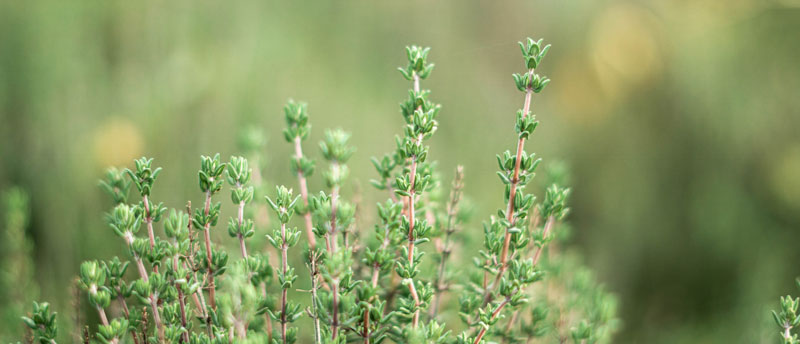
(680, 120)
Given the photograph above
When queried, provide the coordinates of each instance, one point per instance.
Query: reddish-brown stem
(452, 210)
(366, 327)
(328, 242)
(127, 312)
(143, 274)
(207, 237)
(411, 214)
(314, 274)
(102, 313)
(157, 317)
(197, 297)
(104, 321)
(393, 289)
(537, 253)
(335, 324)
(332, 246)
(242, 247)
(148, 218)
(284, 267)
(547, 228)
(411, 211)
(376, 274)
(140, 267)
(267, 319)
(413, 289)
(198, 304)
(298, 152)
(512, 195)
(511, 323)
(240, 218)
(391, 191)
(334, 198)
(515, 180)
(181, 302)
(376, 269)
(494, 315)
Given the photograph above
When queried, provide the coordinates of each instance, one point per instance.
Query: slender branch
(413, 289)
(267, 319)
(376, 268)
(411, 215)
(787, 332)
(127, 312)
(298, 151)
(197, 297)
(334, 198)
(534, 223)
(390, 188)
(181, 301)
(335, 321)
(102, 313)
(144, 276)
(495, 313)
(284, 268)
(452, 211)
(104, 321)
(157, 317)
(148, 219)
(510, 216)
(365, 334)
(548, 226)
(314, 276)
(515, 180)
(334, 247)
(207, 237)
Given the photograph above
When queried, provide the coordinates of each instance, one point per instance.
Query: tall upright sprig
(332, 214)
(505, 234)
(282, 239)
(518, 169)
(788, 319)
(43, 323)
(296, 132)
(420, 116)
(143, 178)
(337, 151)
(238, 175)
(453, 217)
(210, 180)
(92, 280)
(387, 233)
(125, 221)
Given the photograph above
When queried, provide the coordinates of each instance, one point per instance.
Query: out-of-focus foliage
(17, 287)
(679, 119)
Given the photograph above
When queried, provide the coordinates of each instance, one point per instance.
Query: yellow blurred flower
(116, 142)
(625, 49)
(580, 98)
(784, 177)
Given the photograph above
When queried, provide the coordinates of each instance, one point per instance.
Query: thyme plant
(392, 283)
(787, 318)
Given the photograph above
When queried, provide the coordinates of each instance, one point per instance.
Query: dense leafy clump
(391, 283)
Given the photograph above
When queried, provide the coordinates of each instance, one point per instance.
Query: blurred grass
(679, 119)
